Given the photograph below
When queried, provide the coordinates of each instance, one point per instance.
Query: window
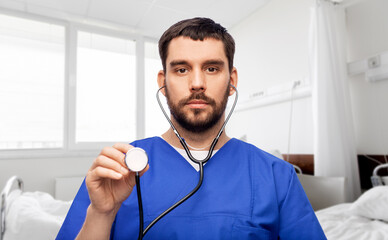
(32, 62)
(106, 89)
(155, 124)
(65, 87)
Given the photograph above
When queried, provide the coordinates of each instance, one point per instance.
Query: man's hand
(109, 182)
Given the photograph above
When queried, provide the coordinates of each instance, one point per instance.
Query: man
(246, 194)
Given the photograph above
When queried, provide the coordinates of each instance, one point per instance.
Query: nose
(197, 81)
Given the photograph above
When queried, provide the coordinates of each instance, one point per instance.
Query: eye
(211, 69)
(182, 70)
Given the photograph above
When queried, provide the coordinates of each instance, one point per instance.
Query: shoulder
(277, 173)
(151, 143)
(146, 141)
(259, 156)
(155, 147)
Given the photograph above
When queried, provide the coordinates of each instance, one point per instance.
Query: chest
(225, 207)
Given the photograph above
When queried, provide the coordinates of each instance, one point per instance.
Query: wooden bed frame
(365, 166)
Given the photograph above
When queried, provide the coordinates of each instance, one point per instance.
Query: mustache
(197, 96)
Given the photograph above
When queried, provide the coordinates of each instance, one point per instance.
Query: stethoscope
(136, 160)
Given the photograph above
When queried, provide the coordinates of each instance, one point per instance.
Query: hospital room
(77, 76)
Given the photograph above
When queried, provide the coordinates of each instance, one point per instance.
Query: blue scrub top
(246, 194)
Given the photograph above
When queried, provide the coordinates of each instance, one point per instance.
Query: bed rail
(376, 179)
(4, 194)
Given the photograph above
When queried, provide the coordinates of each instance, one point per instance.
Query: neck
(196, 140)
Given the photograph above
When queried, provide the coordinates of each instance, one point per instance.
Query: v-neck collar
(200, 155)
(215, 155)
(184, 179)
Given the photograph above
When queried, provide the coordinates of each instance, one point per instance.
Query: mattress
(366, 218)
(34, 215)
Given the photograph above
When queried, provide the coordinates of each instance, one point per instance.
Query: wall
(39, 174)
(272, 50)
(367, 25)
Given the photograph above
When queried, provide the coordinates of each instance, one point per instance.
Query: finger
(123, 147)
(130, 177)
(114, 154)
(105, 162)
(144, 170)
(101, 172)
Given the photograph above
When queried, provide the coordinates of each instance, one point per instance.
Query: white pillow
(372, 204)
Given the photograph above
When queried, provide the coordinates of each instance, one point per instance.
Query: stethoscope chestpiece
(136, 159)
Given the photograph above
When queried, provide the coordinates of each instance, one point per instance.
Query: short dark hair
(197, 29)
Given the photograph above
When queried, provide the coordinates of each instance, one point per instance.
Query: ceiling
(146, 17)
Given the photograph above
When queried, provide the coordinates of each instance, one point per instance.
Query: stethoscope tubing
(199, 162)
(182, 141)
(140, 204)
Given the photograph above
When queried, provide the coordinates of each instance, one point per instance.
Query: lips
(197, 103)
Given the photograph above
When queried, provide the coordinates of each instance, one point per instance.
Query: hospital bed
(366, 218)
(30, 215)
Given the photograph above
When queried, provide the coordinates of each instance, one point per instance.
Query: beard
(196, 124)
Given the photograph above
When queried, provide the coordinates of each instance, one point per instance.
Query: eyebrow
(215, 62)
(208, 62)
(178, 62)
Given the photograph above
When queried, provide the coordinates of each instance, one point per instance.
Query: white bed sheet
(340, 223)
(34, 215)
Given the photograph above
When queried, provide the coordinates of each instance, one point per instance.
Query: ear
(233, 80)
(162, 81)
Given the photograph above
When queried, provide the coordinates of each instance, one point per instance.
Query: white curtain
(335, 152)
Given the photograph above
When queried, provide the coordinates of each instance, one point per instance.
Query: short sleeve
(76, 215)
(297, 219)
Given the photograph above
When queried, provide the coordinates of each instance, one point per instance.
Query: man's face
(197, 82)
